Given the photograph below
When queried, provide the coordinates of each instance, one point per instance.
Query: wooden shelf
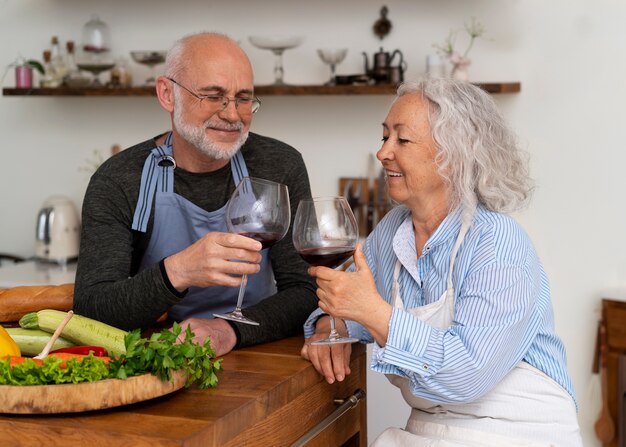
(260, 90)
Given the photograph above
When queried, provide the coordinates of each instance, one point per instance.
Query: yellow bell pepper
(8, 345)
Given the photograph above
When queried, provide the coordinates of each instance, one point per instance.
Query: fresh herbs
(159, 355)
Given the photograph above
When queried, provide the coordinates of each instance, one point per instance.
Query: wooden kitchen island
(267, 396)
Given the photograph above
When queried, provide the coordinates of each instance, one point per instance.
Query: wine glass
(151, 59)
(332, 57)
(258, 209)
(276, 45)
(325, 233)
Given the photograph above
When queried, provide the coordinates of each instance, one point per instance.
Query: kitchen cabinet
(260, 90)
(267, 396)
(614, 321)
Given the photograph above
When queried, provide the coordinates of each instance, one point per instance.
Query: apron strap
(459, 240)
(395, 288)
(157, 173)
(238, 168)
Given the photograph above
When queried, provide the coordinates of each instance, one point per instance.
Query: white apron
(527, 408)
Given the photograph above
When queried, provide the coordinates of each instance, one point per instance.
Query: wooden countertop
(267, 396)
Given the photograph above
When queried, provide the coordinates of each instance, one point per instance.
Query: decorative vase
(460, 66)
(460, 73)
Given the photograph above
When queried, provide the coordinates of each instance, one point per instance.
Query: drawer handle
(345, 405)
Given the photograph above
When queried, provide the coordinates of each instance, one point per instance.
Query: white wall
(568, 54)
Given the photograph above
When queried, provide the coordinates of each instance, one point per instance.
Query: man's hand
(223, 337)
(331, 361)
(213, 260)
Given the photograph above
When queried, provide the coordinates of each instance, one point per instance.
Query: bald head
(201, 48)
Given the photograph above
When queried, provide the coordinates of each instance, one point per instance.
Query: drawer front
(292, 421)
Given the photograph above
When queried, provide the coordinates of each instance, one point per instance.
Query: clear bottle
(70, 57)
(74, 76)
(56, 58)
(49, 78)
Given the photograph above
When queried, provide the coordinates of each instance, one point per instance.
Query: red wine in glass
(325, 233)
(330, 257)
(266, 238)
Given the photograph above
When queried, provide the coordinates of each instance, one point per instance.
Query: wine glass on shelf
(276, 45)
(151, 59)
(332, 57)
(325, 233)
(258, 209)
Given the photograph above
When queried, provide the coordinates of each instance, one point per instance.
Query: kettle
(382, 70)
(58, 231)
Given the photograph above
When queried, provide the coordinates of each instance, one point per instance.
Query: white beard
(196, 136)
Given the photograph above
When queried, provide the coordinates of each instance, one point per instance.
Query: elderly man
(154, 236)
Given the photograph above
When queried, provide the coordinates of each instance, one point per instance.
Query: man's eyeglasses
(242, 104)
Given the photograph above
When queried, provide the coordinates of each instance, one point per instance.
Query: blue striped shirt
(502, 316)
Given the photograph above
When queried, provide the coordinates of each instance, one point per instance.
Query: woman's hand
(331, 361)
(354, 296)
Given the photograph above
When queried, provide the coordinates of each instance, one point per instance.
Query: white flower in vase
(461, 62)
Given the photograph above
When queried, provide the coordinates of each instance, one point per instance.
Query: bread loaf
(18, 301)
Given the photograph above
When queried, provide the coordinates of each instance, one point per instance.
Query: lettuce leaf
(88, 369)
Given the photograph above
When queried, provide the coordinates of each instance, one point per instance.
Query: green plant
(474, 29)
(32, 63)
(36, 65)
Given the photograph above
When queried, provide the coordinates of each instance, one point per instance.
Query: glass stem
(278, 67)
(242, 291)
(153, 74)
(333, 332)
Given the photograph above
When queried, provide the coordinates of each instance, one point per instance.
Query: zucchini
(32, 341)
(79, 330)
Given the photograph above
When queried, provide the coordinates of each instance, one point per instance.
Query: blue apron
(178, 223)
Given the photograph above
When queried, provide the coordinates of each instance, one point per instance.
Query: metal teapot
(382, 70)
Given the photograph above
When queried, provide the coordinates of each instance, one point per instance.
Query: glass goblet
(258, 209)
(325, 233)
(276, 45)
(332, 57)
(95, 68)
(151, 59)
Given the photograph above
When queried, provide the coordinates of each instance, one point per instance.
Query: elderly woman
(449, 287)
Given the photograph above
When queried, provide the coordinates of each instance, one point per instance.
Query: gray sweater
(110, 288)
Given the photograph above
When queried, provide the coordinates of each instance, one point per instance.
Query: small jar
(23, 76)
(120, 75)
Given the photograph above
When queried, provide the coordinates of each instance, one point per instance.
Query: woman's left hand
(332, 361)
(353, 296)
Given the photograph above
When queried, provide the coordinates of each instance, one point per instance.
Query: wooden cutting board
(72, 398)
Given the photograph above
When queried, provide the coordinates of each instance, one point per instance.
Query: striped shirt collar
(404, 240)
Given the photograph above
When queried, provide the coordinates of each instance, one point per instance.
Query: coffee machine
(57, 235)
